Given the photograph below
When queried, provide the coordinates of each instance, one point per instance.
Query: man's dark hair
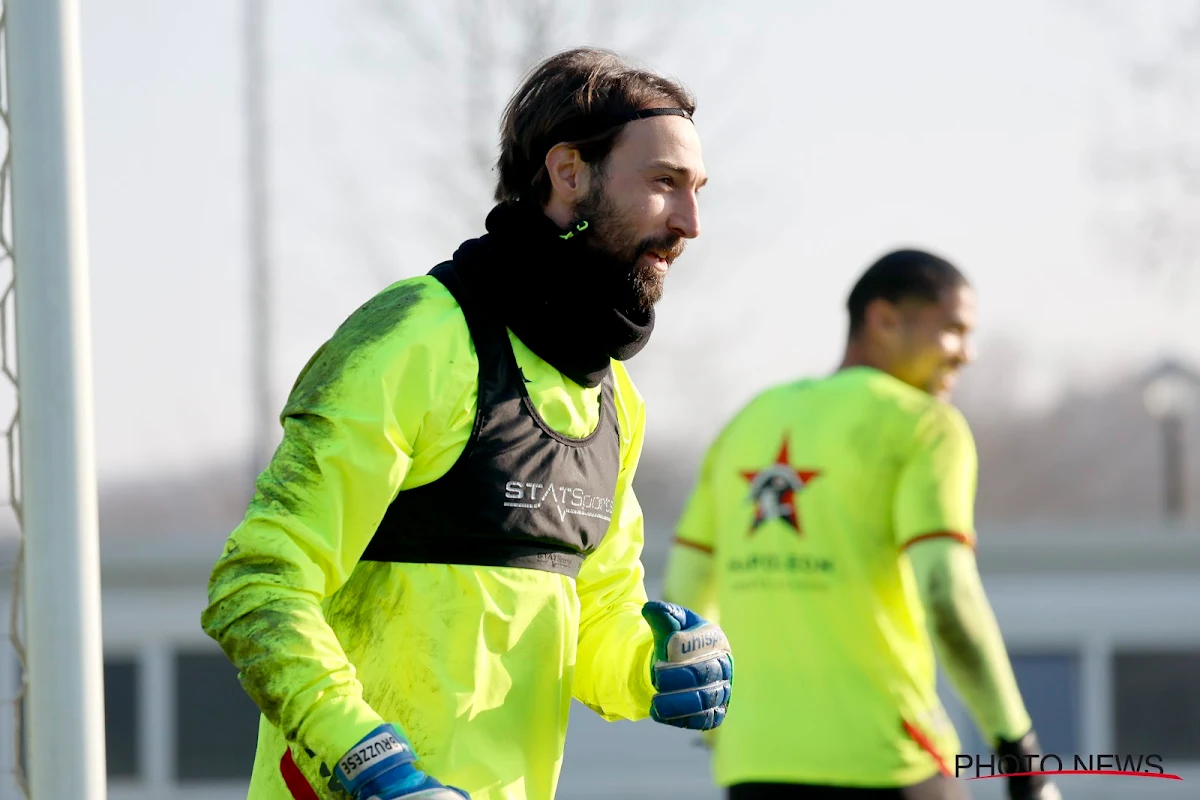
(902, 275)
(582, 97)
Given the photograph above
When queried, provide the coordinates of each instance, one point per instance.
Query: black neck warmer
(571, 304)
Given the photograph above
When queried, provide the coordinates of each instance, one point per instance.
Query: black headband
(585, 128)
(654, 112)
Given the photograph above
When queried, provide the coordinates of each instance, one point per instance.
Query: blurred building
(1109, 452)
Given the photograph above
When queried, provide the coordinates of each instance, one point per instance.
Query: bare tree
(1150, 159)
(472, 52)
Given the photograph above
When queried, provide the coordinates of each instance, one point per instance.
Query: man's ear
(568, 173)
(882, 317)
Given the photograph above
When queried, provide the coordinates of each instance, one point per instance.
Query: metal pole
(1175, 478)
(62, 569)
(259, 232)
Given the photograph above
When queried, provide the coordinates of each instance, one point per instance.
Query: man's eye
(666, 180)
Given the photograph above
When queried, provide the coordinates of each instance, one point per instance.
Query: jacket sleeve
(612, 671)
(350, 430)
(934, 516)
(969, 643)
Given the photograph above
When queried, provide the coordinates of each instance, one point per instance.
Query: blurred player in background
(445, 547)
(831, 534)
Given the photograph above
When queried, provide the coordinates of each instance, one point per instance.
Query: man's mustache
(669, 247)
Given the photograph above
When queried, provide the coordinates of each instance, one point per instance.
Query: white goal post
(61, 573)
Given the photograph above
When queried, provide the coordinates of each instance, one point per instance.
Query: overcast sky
(833, 131)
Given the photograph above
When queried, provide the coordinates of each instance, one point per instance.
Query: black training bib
(521, 494)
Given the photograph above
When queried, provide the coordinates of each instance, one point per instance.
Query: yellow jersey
(805, 503)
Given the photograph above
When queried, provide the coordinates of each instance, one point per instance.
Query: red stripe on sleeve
(703, 548)
(296, 783)
(955, 535)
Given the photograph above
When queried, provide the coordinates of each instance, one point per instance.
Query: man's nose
(685, 221)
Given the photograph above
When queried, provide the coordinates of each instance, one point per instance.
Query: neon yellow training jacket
(477, 665)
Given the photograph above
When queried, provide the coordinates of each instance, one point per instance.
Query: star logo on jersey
(773, 490)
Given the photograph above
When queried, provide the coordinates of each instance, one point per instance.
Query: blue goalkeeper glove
(380, 767)
(692, 670)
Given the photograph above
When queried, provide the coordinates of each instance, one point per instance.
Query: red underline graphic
(1166, 776)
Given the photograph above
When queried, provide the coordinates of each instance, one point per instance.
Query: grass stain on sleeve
(319, 382)
(310, 416)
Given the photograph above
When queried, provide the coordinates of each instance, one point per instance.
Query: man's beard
(611, 234)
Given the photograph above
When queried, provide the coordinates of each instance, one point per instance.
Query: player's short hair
(582, 97)
(902, 275)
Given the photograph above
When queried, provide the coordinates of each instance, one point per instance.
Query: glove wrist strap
(382, 749)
